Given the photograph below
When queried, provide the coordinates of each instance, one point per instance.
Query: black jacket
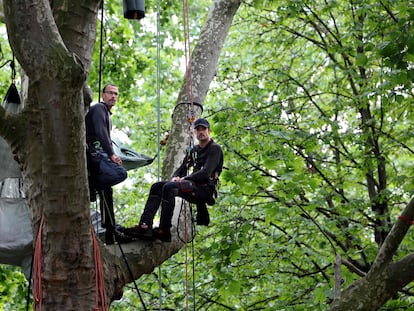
(98, 127)
(207, 164)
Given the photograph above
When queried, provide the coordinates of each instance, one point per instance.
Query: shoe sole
(123, 238)
(144, 236)
(162, 239)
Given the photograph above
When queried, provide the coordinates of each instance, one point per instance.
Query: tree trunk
(200, 72)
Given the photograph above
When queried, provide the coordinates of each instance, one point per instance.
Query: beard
(203, 138)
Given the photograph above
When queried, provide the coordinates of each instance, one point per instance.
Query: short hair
(106, 85)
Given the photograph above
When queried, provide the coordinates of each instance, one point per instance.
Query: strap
(194, 103)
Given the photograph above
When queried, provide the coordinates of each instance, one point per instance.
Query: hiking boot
(121, 237)
(162, 234)
(142, 231)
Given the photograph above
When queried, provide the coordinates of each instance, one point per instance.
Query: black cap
(201, 122)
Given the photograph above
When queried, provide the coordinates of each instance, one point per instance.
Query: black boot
(163, 234)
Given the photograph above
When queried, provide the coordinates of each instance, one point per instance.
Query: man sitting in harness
(206, 158)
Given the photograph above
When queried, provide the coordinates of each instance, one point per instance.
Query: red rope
(186, 260)
(37, 269)
(37, 273)
(406, 219)
(99, 278)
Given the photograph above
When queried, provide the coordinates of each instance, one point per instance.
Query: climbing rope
(190, 119)
(187, 52)
(188, 73)
(406, 219)
(13, 69)
(159, 144)
(101, 52)
(37, 273)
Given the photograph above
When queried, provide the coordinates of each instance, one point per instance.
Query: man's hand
(176, 179)
(116, 159)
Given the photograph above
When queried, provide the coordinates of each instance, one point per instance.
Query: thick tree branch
(394, 238)
(34, 19)
(392, 276)
(202, 67)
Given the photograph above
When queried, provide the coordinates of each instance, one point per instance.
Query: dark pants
(106, 204)
(108, 174)
(103, 176)
(164, 193)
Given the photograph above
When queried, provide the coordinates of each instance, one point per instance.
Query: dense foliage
(315, 126)
(312, 103)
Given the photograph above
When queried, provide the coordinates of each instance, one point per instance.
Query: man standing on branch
(105, 167)
(199, 187)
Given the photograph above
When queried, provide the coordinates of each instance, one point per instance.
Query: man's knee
(156, 188)
(122, 173)
(171, 188)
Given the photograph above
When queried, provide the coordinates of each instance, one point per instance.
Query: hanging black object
(134, 9)
(9, 168)
(12, 102)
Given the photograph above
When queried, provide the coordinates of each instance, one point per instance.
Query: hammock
(130, 158)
